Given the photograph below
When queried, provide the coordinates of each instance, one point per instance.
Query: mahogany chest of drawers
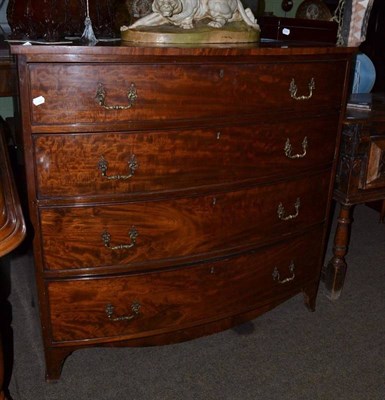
(175, 192)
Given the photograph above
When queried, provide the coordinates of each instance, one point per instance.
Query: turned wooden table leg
(335, 271)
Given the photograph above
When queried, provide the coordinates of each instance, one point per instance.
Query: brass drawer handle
(133, 234)
(277, 277)
(282, 213)
(132, 166)
(293, 90)
(101, 98)
(135, 308)
(289, 148)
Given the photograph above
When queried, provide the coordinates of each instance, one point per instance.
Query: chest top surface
(266, 48)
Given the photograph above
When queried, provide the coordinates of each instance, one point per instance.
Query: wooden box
(298, 29)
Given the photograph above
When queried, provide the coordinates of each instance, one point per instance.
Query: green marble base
(232, 32)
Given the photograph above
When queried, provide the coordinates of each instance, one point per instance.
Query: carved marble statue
(184, 13)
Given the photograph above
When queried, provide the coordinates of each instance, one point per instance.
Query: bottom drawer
(134, 306)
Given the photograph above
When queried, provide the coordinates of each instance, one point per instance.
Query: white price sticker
(286, 31)
(38, 100)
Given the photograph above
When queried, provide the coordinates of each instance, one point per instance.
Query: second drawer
(72, 164)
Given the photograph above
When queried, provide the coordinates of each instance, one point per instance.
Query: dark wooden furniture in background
(176, 192)
(53, 20)
(12, 227)
(360, 178)
(8, 73)
(8, 88)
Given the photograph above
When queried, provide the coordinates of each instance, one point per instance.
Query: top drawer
(90, 93)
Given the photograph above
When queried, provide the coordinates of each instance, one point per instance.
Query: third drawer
(142, 234)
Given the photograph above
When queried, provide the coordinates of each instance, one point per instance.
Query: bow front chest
(175, 192)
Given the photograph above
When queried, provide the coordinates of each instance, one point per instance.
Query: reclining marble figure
(184, 13)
